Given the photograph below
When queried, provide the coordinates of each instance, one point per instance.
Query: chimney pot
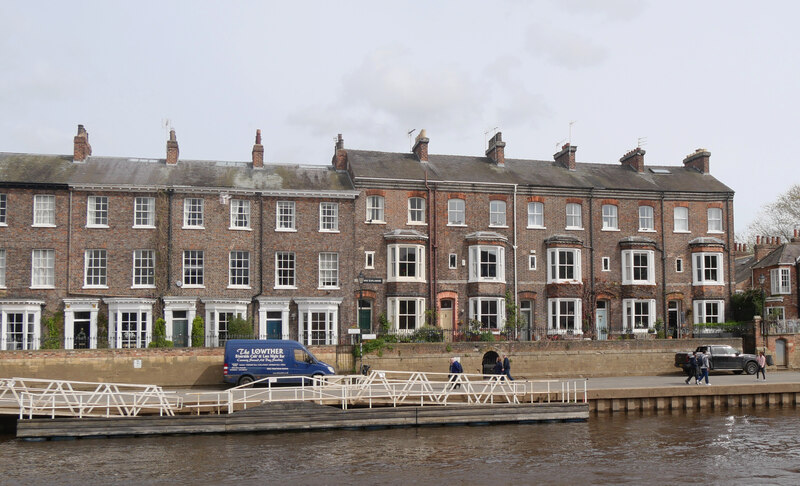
(699, 160)
(339, 160)
(497, 149)
(634, 159)
(566, 157)
(81, 149)
(258, 151)
(421, 146)
(172, 148)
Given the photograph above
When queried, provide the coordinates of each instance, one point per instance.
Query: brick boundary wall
(186, 367)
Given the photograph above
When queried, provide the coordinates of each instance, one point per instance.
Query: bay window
(487, 264)
(709, 311)
(406, 313)
(638, 267)
(779, 279)
(489, 311)
(707, 269)
(406, 263)
(564, 265)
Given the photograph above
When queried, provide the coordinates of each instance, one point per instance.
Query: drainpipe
(431, 246)
(731, 263)
(514, 248)
(664, 303)
(69, 240)
(260, 245)
(592, 298)
(169, 238)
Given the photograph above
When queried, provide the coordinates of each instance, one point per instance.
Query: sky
(605, 75)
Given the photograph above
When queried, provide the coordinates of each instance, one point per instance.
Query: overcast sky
(721, 75)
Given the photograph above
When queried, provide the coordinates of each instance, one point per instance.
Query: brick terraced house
(305, 252)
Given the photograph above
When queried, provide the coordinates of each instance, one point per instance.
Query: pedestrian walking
(704, 364)
(692, 368)
(455, 370)
(498, 366)
(507, 367)
(761, 360)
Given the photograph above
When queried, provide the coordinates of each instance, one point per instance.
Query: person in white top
(761, 360)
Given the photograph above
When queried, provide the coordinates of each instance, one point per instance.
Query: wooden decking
(301, 416)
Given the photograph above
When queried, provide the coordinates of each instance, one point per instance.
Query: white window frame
(193, 274)
(632, 312)
(329, 217)
(144, 269)
(143, 309)
(416, 211)
(239, 269)
(328, 270)
(531, 262)
(574, 215)
(286, 263)
(44, 211)
(555, 314)
(396, 264)
(536, 215)
(555, 263)
(32, 318)
(417, 319)
(71, 306)
(477, 264)
(497, 213)
(777, 313)
(144, 212)
(240, 215)
(376, 206)
(605, 264)
(714, 216)
(780, 281)
(180, 304)
(2, 268)
(95, 268)
(479, 311)
(215, 308)
(369, 260)
(701, 314)
(286, 216)
(456, 212)
(3, 209)
(700, 269)
(680, 220)
(629, 267)
(43, 268)
(193, 213)
(647, 219)
(97, 212)
(610, 217)
(307, 309)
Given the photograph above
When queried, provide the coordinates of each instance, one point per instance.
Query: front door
(365, 316)
(446, 318)
(780, 352)
(180, 329)
(526, 319)
(673, 317)
(82, 322)
(601, 320)
(274, 325)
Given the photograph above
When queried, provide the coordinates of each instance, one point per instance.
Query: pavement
(720, 378)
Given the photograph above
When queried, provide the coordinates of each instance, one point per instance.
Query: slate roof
(786, 254)
(118, 171)
(744, 268)
(466, 169)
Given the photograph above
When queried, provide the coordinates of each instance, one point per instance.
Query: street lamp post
(761, 279)
(358, 320)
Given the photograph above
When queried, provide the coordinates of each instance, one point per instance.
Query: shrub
(240, 328)
(198, 332)
(52, 324)
(160, 335)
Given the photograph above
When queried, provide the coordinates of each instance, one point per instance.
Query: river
(689, 448)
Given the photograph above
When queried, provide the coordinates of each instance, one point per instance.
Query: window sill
(412, 223)
(406, 280)
(143, 286)
(565, 282)
(457, 225)
(641, 230)
(609, 229)
(193, 227)
(716, 232)
(374, 222)
(43, 226)
(706, 284)
(235, 228)
(90, 287)
(239, 287)
(188, 286)
(536, 227)
(329, 231)
(573, 228)
(285, 230)
(498, 226)
(143, 227)
(285, 287)
(94, 226)
(42, 287)
(486, 281)
(328, 288)
(2, 225)
(638, 283)
(682, 231)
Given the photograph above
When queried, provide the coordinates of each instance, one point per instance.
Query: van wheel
(245, 380)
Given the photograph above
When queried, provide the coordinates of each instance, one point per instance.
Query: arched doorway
(781, 358)
(489, 359)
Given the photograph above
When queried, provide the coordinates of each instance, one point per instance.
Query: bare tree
(778, 218)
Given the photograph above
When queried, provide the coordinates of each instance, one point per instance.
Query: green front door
(365, 316)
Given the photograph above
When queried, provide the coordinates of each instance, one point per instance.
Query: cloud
(564, 48)
(610, 9)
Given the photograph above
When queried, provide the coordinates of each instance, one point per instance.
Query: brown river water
(694, 448)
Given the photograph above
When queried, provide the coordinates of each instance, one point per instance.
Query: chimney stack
(764, 246)
(796, 237)
(172, 148)
(699, 160)
(566, 158)
(421, 146)
(339, 160)
(497, 150)
(634, 159)
(258, 151)
(81, 148)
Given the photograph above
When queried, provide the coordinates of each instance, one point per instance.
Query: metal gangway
(393, 388)
(38, 397)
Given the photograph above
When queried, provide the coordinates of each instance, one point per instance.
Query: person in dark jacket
(498, 366)
(507, 367)
(455, 369)
(692, 367)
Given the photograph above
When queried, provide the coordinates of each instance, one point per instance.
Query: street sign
(369, 336)
(354, 331)
(373, 280)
